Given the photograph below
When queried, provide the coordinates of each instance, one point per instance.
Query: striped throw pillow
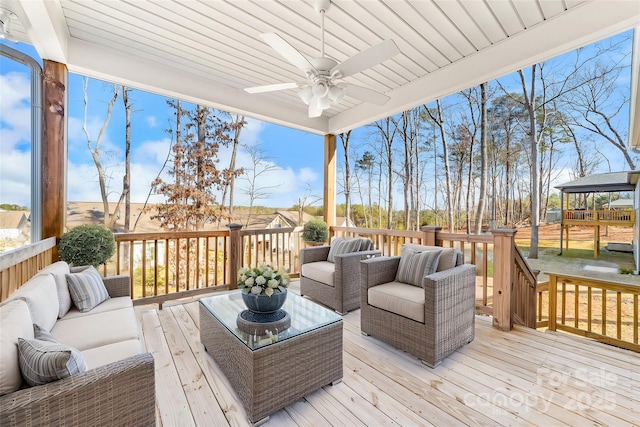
(415, 265)
(42, 362)
(343, 246)
(87, 289)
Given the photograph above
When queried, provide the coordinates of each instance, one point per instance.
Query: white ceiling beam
(47, 28)
(160, 79)
(563, 33)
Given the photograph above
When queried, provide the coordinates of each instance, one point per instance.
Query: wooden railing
(593, 308)
(624, 217)
(21, 264)
(476, 249)
(523, 300)
(170, 265)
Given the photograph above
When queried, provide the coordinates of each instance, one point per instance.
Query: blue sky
(296, 158)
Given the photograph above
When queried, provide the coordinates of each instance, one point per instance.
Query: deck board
(523, 377)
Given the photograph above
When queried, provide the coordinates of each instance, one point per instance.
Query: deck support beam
(503, 255)
(329, 204)
(54, 149)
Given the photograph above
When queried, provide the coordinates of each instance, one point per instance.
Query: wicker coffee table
(271, 372)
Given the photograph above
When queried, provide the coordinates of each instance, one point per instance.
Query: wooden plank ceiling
(207, 51)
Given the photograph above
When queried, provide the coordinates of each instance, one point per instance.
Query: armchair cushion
(343, 245)
(399, 298)
(320, 271)
(414, 265)
(448, 257)
(87, 289)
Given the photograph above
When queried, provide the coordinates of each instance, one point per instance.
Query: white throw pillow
(87, 289)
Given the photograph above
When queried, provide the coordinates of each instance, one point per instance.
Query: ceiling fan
(322, 87)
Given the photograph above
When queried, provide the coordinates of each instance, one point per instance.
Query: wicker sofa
(118, 387)
(429, 321)
(330, 274)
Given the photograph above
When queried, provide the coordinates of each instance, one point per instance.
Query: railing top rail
(377, 231)
(125, 237)
(467, 238)
(18, 255)
(597, 283)
(256, 231)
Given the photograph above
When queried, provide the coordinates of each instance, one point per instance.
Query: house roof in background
(206, 51)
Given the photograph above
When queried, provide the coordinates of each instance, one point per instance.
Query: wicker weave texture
(118, 286)
(344, 295)
(118, 394)
(449, 311)
(272, 377)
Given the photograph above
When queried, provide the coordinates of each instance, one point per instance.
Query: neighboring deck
(522, 377)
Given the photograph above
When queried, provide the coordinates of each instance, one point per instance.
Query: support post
(430, 235)
(54, 155)
(235, 254)
(329, 202)
(503, 260)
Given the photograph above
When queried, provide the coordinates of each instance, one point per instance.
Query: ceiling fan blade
(287, 51)
(367, 59)
(365, 94)
(315, 109)
(271, 88)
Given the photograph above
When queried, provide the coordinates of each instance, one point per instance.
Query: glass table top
(305, 316)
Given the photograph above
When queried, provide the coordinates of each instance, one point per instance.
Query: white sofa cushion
(87, 289)
(100, 356)
(42, 362)
(415, 265)
(41, 295)
(321, 271)
(400, 298)
(15, 322)
(97, 330)
(109, 305)
(59, 270)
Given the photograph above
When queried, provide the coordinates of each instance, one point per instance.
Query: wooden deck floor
(523, 377)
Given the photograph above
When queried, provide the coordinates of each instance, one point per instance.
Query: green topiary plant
(87, 245)
(316, 231)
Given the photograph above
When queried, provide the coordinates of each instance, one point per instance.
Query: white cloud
(15, 110)
(15, 134)
(152, 121)
(15, 186)
(307, 175)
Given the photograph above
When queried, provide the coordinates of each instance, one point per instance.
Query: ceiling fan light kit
(322, 88)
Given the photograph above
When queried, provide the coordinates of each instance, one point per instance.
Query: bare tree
(344, 138)
(437, 117)
(126, 184)
(598, 105)
(260, 165)
(483, 159)
(236, 127)
(95, 148)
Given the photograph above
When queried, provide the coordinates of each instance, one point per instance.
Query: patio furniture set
(422, 302)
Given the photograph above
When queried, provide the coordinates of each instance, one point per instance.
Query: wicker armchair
(334, 279)
(443, 309)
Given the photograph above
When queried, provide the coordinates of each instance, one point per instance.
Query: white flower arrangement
(261, 280)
